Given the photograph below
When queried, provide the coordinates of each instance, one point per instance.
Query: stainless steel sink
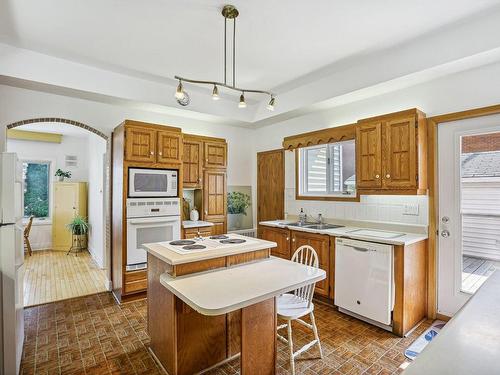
(297, 224)
(324, 226)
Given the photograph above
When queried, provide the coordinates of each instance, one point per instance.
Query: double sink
(312, 225)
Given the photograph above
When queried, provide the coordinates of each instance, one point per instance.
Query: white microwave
(152, 183)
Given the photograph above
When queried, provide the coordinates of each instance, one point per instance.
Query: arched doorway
(106, 190)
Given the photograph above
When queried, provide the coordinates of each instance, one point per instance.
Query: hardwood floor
(53, 276)
(475, 271)
(93, 335)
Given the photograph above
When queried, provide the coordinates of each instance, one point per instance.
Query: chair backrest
(27, 229)
(306, 255)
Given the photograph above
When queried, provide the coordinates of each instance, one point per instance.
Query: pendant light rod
(225, 50)
(234, 51)
(222, 85)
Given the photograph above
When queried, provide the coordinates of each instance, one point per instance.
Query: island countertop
(162, 251)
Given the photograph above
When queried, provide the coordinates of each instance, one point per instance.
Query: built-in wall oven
(150, 220)
(149, 183)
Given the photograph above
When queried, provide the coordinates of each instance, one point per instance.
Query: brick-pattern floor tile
(95, 335)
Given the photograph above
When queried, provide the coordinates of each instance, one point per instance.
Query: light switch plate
(410, 209)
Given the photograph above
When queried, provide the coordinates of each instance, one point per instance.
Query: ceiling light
(242, 103)
(270, 106)
(215, 93)
(179, 93)
(230, 13)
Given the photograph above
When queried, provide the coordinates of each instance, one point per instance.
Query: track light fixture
(230, 13)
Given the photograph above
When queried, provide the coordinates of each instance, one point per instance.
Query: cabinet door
(219, 226)
(215, 155)
(214, 195)
(191, 162)
(321, 244)
(140, 144)
(400, 154)
(369, 155)
(65, 209)
(281, 237)
(169, 147)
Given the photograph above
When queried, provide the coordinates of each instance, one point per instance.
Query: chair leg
(290, 346)
(28, 246)
(315, 331)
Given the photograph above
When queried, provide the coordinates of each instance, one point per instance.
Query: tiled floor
(94, 335)
(52, 275)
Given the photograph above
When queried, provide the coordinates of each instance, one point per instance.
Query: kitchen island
(215, 299)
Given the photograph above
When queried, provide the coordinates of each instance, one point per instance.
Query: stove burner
(219, 237)
(182, 242)
(233, 241)
(194, 247)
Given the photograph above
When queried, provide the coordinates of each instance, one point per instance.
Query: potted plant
(62, 174)
(237, 204)
(79, 227)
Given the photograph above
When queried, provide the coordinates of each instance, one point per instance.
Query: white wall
(96, 210)
(41, 232)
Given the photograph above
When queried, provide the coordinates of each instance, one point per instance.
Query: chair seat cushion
(293, 307)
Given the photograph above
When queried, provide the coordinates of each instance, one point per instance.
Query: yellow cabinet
(70, 200)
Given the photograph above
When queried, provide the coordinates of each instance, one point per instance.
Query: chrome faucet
(319, 220)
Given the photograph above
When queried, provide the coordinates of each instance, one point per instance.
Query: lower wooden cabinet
(193, 232)
(320, 243)
(281, 237)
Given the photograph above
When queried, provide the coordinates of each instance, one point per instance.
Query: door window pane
(36, 178)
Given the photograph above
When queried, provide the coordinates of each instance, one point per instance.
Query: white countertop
(169, 256)
(470, 342)
(196, 224)
(221, 291)
(406, 239)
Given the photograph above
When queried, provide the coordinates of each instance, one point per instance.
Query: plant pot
(234, 221)
(80, 241)
(60, 178)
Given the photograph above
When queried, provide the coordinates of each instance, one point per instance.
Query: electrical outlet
(410, 209)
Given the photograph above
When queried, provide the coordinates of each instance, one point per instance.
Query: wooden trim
(152, 126)
(329, 135)
(201, 138)
(317, 198)
(442, 317)
(468, 114)
(392, 191)
(387, 116)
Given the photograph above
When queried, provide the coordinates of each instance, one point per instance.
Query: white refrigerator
(11, 264)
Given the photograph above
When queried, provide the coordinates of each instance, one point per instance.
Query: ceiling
(280, 45)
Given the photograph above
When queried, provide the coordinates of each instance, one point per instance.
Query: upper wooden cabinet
(192, 163)
(391, 156)
(215, 155)
(148, 143)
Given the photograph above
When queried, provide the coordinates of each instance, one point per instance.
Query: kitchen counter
(406, 239)
(220, 292)
(196, 224)
(470, 342)
(163, 251)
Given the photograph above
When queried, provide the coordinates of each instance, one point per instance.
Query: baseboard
(98, 260)
(442, 317)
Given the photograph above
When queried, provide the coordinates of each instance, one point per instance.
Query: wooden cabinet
(219, 227)
(193, 232)
(391, 154)
(214, 195)
(192, 163)
(70, 200)
(320, 243)
(215, 155)
(369, 155)
(281, 237)
(270, 185)
(146, 143)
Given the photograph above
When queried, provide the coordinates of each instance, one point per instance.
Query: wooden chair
(27, 229)
(297, 304)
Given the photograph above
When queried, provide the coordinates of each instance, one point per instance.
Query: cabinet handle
(377, 176)
(206, 212)
(288, 238)
(387, 175)
(160, 154)
(152, 153)
(293, 239)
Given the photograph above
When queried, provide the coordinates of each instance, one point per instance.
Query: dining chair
(27, 229)
(295, 305)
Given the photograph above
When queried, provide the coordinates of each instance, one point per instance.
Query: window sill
(38, 222)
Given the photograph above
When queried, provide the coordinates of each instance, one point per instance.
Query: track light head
(215, 93)
(242, 103)
(270, 105)
(179, 93)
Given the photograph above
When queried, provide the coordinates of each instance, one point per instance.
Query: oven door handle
(139, 222)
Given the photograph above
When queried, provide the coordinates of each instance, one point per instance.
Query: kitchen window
(36, 182)
(328, 170)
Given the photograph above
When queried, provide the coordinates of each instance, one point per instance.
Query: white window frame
(48, 219)
(302, 178)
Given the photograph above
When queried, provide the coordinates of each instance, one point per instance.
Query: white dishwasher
(364, 281)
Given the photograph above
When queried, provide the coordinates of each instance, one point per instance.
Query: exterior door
(191, 162)
(467, 227)
(215, 155)
(140, 144)
(270, 185)
(214, 200)
(369, 155)
(169, 147)
(400, 153)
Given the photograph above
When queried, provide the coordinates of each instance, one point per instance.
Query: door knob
(445, 233)
(445, 219)
(387, 175)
